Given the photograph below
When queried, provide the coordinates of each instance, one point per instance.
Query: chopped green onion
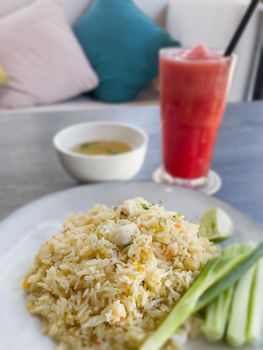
(110, 151)
(87, 145)
(145, 206)
(179, 215)
(162, 221)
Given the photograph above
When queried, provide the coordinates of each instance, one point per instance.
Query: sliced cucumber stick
(255, 313)
(237, 327)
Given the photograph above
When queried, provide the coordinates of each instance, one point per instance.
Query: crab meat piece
(131, 207)
(123, 235)
(115, 312)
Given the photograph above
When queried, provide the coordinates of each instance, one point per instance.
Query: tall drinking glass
(194, 85)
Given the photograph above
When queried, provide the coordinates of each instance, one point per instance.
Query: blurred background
(187, 21)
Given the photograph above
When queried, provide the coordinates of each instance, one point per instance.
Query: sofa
(189, 21)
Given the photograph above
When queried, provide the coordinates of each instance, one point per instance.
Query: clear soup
(102, 147)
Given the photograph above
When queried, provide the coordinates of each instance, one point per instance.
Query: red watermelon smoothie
(194, 85)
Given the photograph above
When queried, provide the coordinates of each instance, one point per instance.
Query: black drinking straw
(242, 25)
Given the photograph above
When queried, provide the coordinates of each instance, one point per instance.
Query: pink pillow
(43, 60)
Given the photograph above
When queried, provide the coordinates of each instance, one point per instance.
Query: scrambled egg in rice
(112, 275)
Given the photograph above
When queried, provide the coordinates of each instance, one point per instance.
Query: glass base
(209, 185)
(189, 183)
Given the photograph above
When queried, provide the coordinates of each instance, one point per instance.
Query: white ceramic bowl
(87, 168)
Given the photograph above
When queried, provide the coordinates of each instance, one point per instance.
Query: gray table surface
(30, 169)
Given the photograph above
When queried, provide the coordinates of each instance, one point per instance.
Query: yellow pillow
(3, 76)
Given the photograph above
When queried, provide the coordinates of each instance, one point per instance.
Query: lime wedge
(216, 225)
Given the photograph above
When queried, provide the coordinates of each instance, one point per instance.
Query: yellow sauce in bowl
(102, 147)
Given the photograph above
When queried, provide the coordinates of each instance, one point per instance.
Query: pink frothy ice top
(198, 53)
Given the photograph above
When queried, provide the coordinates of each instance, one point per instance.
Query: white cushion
(44, 62)
(74, 8)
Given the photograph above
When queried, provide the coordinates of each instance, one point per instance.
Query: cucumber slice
(216, 225)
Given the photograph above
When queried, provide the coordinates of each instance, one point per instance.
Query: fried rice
(112, 274)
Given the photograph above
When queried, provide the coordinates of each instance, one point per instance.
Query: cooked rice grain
(112, 274)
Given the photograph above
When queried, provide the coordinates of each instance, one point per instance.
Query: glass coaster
(213, 183)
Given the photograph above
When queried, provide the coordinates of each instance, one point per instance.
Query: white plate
(38, 220)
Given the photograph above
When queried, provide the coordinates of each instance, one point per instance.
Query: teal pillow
(122, 45)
